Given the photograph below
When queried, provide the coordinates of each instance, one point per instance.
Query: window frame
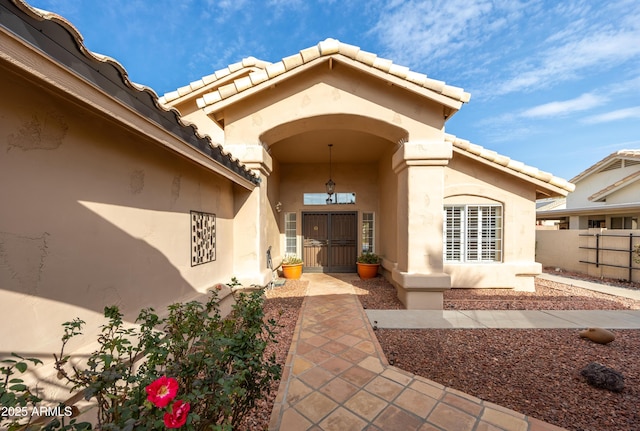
(473, 233)
(371, 234)
(291, 233)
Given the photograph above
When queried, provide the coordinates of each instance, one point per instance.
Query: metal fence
(597, 252)
(614, 251)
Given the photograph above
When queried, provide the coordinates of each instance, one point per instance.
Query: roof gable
(267, 74)
(601, 195)
(617, 160)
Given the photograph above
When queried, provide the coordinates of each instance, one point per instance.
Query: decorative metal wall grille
(203, 238)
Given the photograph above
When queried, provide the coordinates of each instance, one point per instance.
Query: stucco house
(113, 195)
(441, 212)
(594, 230)
(607, 195)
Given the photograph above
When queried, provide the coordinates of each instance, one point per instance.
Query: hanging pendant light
(330, 185)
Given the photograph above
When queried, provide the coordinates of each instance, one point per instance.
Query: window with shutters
(472, 233)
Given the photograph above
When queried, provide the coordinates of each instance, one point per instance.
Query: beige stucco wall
(387, 221)
(93, 215)
(470, 182)
(560, 249)
(628, 194)
(565, 249)
(322, 98)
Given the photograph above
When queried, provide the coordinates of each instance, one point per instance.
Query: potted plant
(368, 264)
(292, 267)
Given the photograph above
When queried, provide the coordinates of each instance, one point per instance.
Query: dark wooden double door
(330, 241)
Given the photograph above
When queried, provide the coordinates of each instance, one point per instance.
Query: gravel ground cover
(535, 372)
(283, 305)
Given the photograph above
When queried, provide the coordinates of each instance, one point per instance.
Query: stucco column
(419, 275)
(250, 221)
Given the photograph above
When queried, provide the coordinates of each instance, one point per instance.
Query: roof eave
(622, 154)
(596, 209)
(625, 182)
(543, 189)
(22, 52)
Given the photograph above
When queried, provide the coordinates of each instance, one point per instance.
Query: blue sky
(554, 84)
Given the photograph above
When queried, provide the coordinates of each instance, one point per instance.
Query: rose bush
(217, 366)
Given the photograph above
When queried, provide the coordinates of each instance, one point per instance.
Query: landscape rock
(598, 335)
(599, 376)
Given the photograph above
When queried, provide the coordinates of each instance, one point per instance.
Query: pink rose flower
(162, 391)
(178, 415)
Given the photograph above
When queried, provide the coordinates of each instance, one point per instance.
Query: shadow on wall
(92, 215)
(92, 265)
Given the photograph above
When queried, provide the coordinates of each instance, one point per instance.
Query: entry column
(419, 275)
(253, 220)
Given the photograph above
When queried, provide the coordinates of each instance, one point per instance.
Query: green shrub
(370, 258)
(192, 370)
(291, 259)
(19, 406)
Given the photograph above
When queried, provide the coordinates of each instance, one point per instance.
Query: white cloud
(223, 9)
(620, 114)
(566, 107)
(587, 39)
(561, 63)
(418, 29)
(630, 86)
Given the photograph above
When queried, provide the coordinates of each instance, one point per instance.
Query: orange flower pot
(367, 270)
(292, 272)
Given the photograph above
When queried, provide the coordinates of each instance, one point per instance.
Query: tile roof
(629, 179)
(514, 166)
(249, 64)
(61, 41)
(550, 204)
(622, 154)
(265, 71)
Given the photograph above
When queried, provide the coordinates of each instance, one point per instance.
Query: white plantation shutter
(473, 233)
(453, 231)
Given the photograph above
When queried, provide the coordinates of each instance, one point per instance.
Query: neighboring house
(595, 230)
(110, 197)
(607, 195)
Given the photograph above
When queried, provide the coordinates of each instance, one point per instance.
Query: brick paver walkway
(337, 378)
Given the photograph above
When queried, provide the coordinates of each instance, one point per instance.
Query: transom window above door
(321, 199)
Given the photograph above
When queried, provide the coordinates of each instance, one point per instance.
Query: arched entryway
(329, 235)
